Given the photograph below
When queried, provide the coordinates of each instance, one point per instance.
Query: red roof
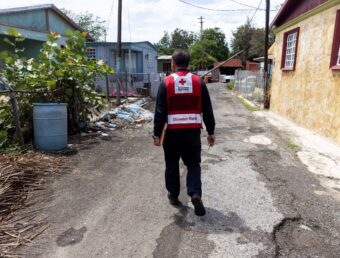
(292, 9)
(231, 63)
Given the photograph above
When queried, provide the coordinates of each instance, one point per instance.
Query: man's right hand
(211, 140)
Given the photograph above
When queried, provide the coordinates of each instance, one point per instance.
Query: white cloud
(146, 20)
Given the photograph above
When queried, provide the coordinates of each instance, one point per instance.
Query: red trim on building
(284, 49)
(336, 43)
(293, 8)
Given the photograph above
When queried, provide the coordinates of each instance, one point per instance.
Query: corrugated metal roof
(103, 43)
(26, 8)
(231, 63)
(41, 7)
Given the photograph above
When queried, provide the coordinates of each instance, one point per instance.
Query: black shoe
(173, 200)
(198, 204)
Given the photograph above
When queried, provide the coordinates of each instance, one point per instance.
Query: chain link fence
(141, 84)
(250, 85)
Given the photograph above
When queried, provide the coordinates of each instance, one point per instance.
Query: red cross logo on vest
(182, 81)
(184, 100)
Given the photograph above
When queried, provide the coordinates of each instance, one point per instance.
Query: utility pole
(119, 50)
(266, 47)
(201, 30)
(201, 22)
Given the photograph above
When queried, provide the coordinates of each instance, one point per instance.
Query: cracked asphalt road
(261, 201)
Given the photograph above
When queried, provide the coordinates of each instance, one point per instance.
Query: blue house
(34, 23)
(138, 65)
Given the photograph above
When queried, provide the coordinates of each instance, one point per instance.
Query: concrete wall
(310, 95)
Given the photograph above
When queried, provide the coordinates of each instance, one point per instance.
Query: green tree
(182, 39)
(214, 43)
(251, 40)
(241, 40)
(204, 52)
(177, 39)
(200, 60)
(94, 25)
(164, 45)
(213, 47)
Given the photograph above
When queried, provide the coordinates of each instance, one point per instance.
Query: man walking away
(183, 99)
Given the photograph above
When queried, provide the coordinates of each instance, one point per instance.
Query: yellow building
(306, 78)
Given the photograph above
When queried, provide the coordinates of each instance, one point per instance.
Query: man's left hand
(157, 141)
(211, 140)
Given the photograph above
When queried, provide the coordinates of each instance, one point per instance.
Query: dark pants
(185, 144)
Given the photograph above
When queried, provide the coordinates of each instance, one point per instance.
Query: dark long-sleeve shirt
(161, 113)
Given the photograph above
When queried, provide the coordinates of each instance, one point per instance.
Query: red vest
(183, 91)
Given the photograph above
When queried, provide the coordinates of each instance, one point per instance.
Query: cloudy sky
(148, 19)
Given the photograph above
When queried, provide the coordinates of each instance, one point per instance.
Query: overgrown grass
(230, 86)
(294, 147)
(247, 105)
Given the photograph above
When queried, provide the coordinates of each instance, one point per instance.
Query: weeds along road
(261, 201)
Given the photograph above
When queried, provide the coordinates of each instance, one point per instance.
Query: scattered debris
(23, 191)
(122, 93)
(106, 116)
(105, 137)
(121, 117)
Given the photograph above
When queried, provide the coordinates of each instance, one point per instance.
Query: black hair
(181, 57)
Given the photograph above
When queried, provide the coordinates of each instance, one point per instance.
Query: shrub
(62, 75)
(230, 86)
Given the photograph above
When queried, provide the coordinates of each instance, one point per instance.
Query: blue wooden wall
(34, 19)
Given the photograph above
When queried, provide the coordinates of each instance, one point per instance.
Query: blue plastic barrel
(50, 126)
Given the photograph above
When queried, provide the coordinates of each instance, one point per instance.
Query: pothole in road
(294, 238)
(256, 130)
(71, 236)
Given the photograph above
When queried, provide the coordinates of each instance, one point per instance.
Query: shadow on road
(214, 222)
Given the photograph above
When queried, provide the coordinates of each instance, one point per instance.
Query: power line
(215, 10)
(224, 10)
(243, 4)
(258, 7)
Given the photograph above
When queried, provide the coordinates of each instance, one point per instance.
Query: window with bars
(289, 51)
(91, 54)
